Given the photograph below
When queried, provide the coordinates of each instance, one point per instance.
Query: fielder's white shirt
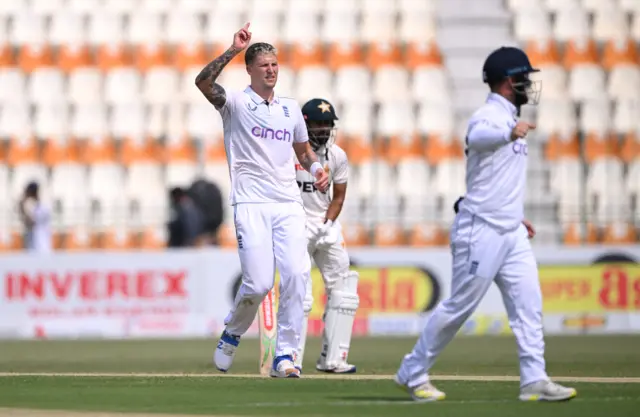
(38, 236)
(496, 166)
(315, 202)
(258, 140)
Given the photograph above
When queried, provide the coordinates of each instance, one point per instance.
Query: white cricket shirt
(38, 237)
(315, 202)
(258, 140)
(496, 166)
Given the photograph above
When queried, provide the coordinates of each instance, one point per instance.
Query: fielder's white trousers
(332, 261)
(481, 255)
(271, 235)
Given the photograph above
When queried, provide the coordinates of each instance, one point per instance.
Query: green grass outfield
(176, 377)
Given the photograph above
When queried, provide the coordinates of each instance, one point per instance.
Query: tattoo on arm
(206, 80)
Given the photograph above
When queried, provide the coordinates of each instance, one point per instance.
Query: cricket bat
(267, 330)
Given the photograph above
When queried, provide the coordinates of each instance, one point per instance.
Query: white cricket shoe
(341, 368)
(422, 393)
(225, 351)
(546, 391)
(283, 367)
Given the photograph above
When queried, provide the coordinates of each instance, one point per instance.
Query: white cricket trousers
(481, 255)
(332, 261)
(271, 235)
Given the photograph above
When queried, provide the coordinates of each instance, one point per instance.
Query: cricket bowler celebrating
(261, 133)
(489, 241)
(326, 245)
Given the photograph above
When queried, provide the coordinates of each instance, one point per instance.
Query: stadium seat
(163, 6)
(122, 6)
(339, 27)
(377, 26)
(16, 125)
(558, 5)
(219, 24)
(356, 121)
(394, 128)
(632, 187)
(122, 86)
(587, 82)
(430, 85)
(23, 174)
(13, 86)
(391, 84)
(314, 6)
(11, 8)
(608, 24)
(567, 184)
(84, 86)
(543, 52)
(435, 120)
(382, 55)
(352, 85)
(313, 82)
(265, 26)
(183, 27)
(89, 120)
(629, 6)
(160, 85)
(624, 82)
(554, 81)
(66, 28)
(106, 27)
(46, 86)
(410, 6)
(626, 114)
(180, 174)
(83, 6)
(27, 28)
(571, 24)
(532, 25)
(417, 26)
(599, 5)
(449, 184)
(620, 52)
(301, 26)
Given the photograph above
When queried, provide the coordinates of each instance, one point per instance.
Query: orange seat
(630, 147)
(70, 57)
(543, 53)
(139, 150)
(439, 148)
(23, 150)
(399, 148)
(619, 53)
(383, 54)
(214, 151)
(427, 234)
(360, 149)
(152, 239)
(600, 146)
(98, 149)
(188, 56)
(180, 150)
(388, 235)
(303, 54)
(355, 235)
(113, 56)
(344, 54)
(31, 57)
(580, 52)
(11, 241)
(422, 54)
(619, 233)
(79, 239)
(560, 146)
(57, 151)
(150, 55)
(574, 236)
(7, 58)
(117, 239)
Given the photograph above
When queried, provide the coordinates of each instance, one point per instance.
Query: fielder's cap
(319, 109)
(505, 62)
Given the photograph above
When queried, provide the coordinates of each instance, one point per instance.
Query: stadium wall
(187, 293)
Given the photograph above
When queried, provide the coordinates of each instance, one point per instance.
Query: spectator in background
(185, 225)
(208, 198)
(36, 217)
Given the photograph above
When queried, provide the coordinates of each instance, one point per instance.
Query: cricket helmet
(320, 117)
(513, 63)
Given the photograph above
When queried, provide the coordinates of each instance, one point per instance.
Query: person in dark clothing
(186, 223)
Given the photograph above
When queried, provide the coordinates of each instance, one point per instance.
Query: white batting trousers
(271, 235)
(332, 261)
(481, 255)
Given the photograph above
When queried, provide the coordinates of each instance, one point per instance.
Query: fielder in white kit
(261, 133)
(489, 242)
(326, 245)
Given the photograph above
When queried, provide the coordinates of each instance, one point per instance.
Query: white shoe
(422, 393)
(546, 391)
(283, 367)
(341, 368)
(225, 351)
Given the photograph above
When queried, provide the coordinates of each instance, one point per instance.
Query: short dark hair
(256, 49)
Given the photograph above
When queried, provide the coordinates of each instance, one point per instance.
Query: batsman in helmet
(325, 243)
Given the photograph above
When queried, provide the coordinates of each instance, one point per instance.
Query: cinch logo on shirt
(520, 148)
(268, 133)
